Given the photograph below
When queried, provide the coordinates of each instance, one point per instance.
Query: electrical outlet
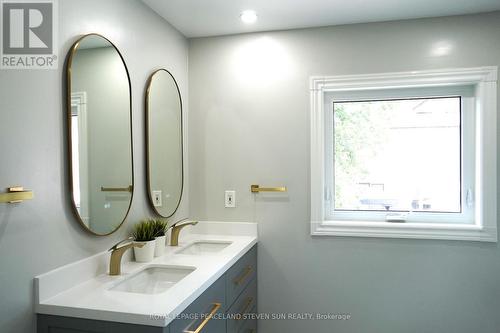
(230, 199)
(157, 202)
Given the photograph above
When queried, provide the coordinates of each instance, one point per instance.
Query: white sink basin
(204, 247)
(153, 279)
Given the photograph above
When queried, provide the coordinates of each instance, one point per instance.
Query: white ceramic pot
(145, 253)
(160, 245)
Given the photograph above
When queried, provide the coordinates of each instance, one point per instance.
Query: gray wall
(43, 234)
(249, 123)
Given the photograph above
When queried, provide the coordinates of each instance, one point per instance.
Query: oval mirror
(100, 134)
(164, 142)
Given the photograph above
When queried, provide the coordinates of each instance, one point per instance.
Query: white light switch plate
(157, 202)
(230, 199)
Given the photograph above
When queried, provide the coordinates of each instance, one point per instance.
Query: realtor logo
(28, 34)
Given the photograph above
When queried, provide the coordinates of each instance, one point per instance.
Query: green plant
(144, 231)
(159, 226)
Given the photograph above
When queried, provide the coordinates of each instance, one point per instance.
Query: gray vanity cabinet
(240, 275)
(225, 307)
(240, 311)
(250, 326)
(206, 313)
(241, 293)
(59, 324)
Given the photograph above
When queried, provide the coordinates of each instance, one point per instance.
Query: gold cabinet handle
(245, 308)
(216, 307)
(16, 195)
(243, 276)
(117, 189)
(257, 189)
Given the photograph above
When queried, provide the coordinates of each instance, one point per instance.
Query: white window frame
(467, 126)
(484, 224)
(79, 108)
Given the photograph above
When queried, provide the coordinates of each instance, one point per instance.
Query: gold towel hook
(16, 194)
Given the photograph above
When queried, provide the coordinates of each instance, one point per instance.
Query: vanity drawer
(206, 312)
(240, 274)
(250, 326)
(245, 303)
(58, 324)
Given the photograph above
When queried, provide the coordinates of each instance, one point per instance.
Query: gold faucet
(176, 229)
(115, 262)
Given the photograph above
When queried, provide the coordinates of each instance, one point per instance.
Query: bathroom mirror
(100, 134)
(164, 142)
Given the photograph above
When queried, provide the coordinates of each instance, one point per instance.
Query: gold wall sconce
(16, 194)
(257, 189)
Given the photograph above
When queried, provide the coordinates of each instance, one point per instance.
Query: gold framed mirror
(164, 143)
(99, 126)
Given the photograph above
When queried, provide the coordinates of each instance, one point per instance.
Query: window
(416, 148)
(79, 134)
(398, 155)
(75, 162)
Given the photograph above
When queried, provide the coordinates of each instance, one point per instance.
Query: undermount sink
(204, 247)
(153, 279)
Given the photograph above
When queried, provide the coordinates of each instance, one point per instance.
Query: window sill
(467, 232)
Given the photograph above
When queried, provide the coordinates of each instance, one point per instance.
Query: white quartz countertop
(82, 290)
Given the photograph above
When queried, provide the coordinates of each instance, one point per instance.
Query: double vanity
(207, 284)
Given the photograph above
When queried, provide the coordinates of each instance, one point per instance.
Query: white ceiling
(198, 18)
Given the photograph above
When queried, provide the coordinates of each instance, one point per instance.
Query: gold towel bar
(16, 194)
(117, 189)
(257, 188)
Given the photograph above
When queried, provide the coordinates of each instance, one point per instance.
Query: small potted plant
(144, 233)
(160, 228)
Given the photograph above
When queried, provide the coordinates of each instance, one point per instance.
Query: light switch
(157, 202)
(230, 199)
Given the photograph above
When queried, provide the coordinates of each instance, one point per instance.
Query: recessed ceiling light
(248, 16)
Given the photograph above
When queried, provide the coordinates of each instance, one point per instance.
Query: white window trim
(79, 100)
(485, 224)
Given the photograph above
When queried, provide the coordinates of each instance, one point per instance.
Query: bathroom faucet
(115, 262)
(176, 229)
